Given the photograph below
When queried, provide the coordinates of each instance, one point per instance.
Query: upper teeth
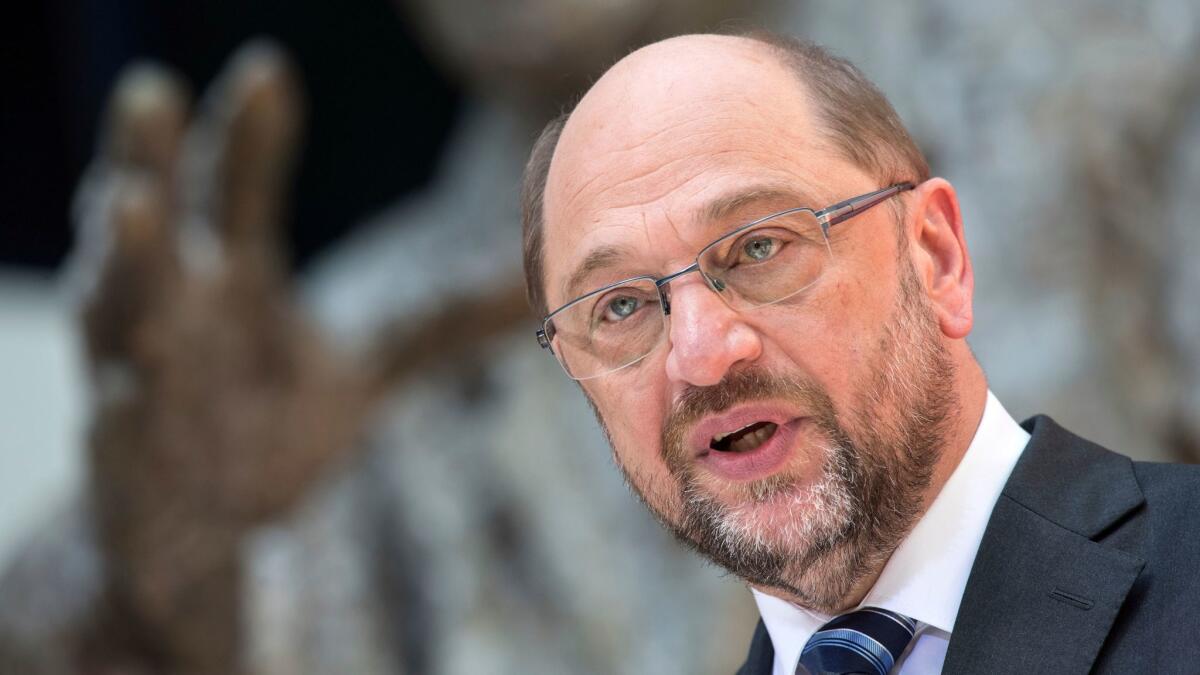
(720, 437)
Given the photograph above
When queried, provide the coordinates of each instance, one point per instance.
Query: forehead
(664, 133)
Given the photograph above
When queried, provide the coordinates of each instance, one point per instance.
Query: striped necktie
(868, 640)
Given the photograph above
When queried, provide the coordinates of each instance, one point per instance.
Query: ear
(939, 254)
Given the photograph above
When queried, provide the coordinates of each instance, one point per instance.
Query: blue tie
(868, 640)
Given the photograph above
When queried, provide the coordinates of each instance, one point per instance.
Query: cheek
(633, 415)
(851, 318)
(834, 332)
(866, 306)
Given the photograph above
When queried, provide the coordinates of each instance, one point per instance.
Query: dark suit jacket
(1090, 563)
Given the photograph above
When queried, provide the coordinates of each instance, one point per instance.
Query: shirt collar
(926, 575)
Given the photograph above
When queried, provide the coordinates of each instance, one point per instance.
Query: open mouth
(744, 439)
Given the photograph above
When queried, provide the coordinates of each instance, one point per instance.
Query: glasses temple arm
(832, 215)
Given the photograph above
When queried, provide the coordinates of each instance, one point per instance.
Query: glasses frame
(827, 217)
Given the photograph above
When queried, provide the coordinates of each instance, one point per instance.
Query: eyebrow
(718, 210)
(597, 259)
(723, 208)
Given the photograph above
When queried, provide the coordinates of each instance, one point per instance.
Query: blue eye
(760, 248)
(621, 307)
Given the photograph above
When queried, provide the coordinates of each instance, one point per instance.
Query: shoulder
(1172, 494)
(1169, 482)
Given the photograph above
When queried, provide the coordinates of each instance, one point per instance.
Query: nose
(707, 337)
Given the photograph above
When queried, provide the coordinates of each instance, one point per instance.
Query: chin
(789, 513)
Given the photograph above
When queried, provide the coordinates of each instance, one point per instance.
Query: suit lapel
(1043, 594)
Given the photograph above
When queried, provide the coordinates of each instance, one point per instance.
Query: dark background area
(378, 111)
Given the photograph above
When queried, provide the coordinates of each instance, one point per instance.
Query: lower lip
(757, 463)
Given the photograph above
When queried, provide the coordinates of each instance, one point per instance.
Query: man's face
(792, 443)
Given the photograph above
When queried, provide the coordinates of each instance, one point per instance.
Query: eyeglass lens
(765, 264)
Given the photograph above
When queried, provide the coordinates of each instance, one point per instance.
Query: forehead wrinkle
(636, 201)
(591, 153)
(720, 144)
(648, 172)
(671, 222)
(652, 169)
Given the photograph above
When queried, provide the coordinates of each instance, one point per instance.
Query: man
(743, 259)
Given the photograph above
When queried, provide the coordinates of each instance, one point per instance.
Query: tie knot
(868, 640)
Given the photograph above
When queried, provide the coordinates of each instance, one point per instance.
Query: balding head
(672, 88)
(668, 89)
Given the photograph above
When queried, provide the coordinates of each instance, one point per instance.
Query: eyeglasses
(760, 263)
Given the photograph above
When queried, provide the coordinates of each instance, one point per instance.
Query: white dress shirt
(927, 574)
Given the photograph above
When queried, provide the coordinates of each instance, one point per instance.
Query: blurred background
(269, 396)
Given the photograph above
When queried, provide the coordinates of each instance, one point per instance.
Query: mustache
(742, 386)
